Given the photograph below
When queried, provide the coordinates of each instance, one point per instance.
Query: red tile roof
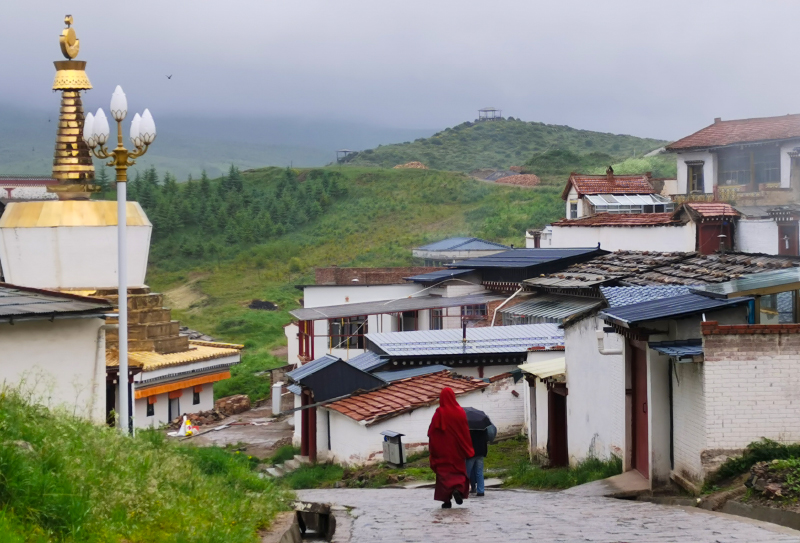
(713, 209)
(402, 396)
(622, 219)
(600, 184)
(741, 131)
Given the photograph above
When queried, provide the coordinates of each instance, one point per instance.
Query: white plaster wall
(627, 238)
(689, 420)
(292, 343)
(757, 236)
(324, 295)
(571, 197)
(161, 413)
(71, 256)
(60, 364)
(658, 412)
(596, 400)
(709, 170)
(670, 187)
(353, 443)
(786, 163)
(26, 193)
(298, 421)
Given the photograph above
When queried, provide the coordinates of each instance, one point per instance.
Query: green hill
(254, 235)
(500, 144)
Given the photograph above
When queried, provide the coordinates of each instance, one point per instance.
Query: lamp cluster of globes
(96, 130)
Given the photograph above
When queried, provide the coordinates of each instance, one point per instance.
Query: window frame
(436, 319)
(479, 311)
(151, 409)
(351, 332)
(195, 397)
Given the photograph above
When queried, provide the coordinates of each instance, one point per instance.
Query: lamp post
(96, 133)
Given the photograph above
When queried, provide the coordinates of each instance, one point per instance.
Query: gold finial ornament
(72, 163)
(70, 44)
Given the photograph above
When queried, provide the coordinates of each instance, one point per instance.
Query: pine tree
(102, 181)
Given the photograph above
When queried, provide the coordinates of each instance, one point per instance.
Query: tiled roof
(403, 396)
(741, 131)
(623, 219)
(619, 296)
(662, 308)
(199, 352)
(600, 184)
(713, 209)
(709, 269)
(684, 348)
(23, 302)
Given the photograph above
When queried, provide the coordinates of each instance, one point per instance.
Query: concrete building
(52, 349)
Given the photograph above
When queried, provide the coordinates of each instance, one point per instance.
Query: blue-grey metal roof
(367, 361)
(23, 302)
(686, 348)
(676, 306)
(768, 282)
(619, 296)
(436, 276)
(486, 340)
(389, 306)
(294, 389)
(312, 367)
(390, 376)
(552, 307)
(523, 258)
(462, 244)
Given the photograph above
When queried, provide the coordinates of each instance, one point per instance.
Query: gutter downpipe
(601, 344)
(671, 427)
(499, 307)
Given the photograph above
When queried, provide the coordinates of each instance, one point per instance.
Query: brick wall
(689, 419)
(367, 276)
(752, 384)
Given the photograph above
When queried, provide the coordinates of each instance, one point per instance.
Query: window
(573, 210)
(473, 311)
(750, 166)
(437, 320)
(629, 203)
(348, 332)
(696, 183)
(151, 409)
(195, 398)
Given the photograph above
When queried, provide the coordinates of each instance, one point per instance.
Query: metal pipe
(122, 295)
(499, 307)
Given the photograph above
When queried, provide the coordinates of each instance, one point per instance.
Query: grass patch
(284, 453)
(527, 475)
(87, 483)
(313, 476)
(758, 451)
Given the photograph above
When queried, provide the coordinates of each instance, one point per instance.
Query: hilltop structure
(70, 245)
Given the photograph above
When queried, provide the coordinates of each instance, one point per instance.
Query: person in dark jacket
(480, 444)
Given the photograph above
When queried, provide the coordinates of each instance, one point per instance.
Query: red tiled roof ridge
(602, 184)
(733, 131)
(623, 219)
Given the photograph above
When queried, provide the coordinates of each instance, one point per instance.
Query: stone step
(275, 472)
(291, 465)
(304, 460)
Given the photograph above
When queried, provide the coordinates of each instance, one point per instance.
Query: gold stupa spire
(72, 163)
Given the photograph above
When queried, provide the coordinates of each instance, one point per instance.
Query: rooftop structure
(723, 133)
(490, 114)
(335, 275)
(24, 304)
(674, 307)
(771, 282)
(611, 219)
(456, 249)
(619, 296)
(550, 308)
(607, 184)
(438, 276)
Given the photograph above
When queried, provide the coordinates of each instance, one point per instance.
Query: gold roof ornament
(72, 163)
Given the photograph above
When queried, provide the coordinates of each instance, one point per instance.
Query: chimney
(610, 174)
(537, 238)
(717, 120)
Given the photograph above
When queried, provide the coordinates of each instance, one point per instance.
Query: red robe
(450, 445)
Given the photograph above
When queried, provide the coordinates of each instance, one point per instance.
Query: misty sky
(657, 69)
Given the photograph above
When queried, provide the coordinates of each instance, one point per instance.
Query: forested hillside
(254, 235)
(501, 144)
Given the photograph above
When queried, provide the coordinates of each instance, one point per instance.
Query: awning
(554, 308)
(546, 368)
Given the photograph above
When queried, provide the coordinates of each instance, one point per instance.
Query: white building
(52, 347)
(451, 250)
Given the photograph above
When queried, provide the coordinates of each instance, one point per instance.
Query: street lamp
(96, 133)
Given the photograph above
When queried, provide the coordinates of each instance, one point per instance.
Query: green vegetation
(69, 480)
(592, 469)
(660, 166)
(561, 163)
(240, 244)
(758, 451)
(500, 144)
(314, 476)
(283, 453)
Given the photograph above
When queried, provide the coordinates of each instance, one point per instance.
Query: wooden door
(641, 452)
(557, 450)
(174, 408)
(787, 239)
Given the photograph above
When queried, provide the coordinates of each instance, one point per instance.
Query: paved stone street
(409, 516)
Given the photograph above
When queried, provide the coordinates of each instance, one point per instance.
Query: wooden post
(757, 310)
(312, 434)
(304, 400)
(533, 438)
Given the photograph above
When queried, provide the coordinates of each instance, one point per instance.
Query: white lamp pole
(95, 133)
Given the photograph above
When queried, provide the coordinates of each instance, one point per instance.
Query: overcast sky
(642, 67)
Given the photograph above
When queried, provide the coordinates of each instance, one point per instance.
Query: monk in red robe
(450, 445)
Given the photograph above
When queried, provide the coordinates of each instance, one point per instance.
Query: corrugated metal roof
(619, 296)
(436, 276)
(546, 368)
(676, 306)
(26, 302)
(294, 389)
(389, 306)
(390, 376)
(312, 367)
(768, 282)
(367, 361)
(487, 340)
(44, 214)
(462, 244)
(523, 258)
(552, 307)
(686, 348)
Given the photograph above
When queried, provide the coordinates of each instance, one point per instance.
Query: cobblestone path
(411, 516)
